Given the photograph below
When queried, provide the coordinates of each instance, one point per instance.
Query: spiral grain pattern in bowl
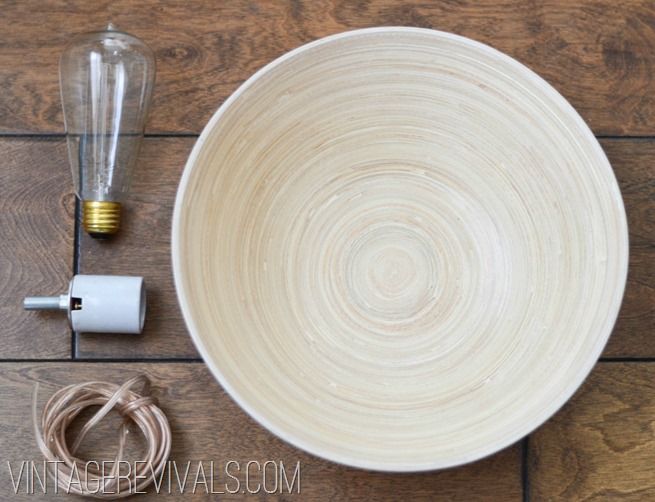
(399, 249)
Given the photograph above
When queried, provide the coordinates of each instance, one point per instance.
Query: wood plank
(633, 165)
(601, 445)
(36, 245)
(143, 248)
(207, 425)
(598, 53)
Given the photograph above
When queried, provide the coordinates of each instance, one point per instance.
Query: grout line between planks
(645, 137)
(525, 474)
(627, 360)
(191, 360)
(77, 227)
(61, 135)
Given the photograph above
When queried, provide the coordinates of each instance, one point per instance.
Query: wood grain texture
(601, 444)
(143, 248)
(207, 425)
(633, 165)
(36, 242)
(598, 53)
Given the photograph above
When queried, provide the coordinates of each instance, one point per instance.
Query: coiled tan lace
(97, 479)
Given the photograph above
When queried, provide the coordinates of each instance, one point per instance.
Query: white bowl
(399, 249)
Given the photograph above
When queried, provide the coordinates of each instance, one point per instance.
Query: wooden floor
(600, 54)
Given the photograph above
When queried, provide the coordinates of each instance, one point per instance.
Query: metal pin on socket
(46, 302)
(99, 303)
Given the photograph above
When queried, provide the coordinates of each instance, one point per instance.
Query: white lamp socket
(99, 303)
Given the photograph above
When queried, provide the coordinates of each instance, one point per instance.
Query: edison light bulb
(106, 80)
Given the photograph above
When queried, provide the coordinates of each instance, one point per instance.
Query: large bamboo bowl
(399, 249)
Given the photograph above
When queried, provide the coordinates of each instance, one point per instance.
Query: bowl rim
(490, 448)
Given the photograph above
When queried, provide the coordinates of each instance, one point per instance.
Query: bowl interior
(399, 249)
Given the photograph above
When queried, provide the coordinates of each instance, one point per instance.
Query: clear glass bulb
(106, 81)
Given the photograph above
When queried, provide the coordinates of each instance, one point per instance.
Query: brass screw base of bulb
(101, 218)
